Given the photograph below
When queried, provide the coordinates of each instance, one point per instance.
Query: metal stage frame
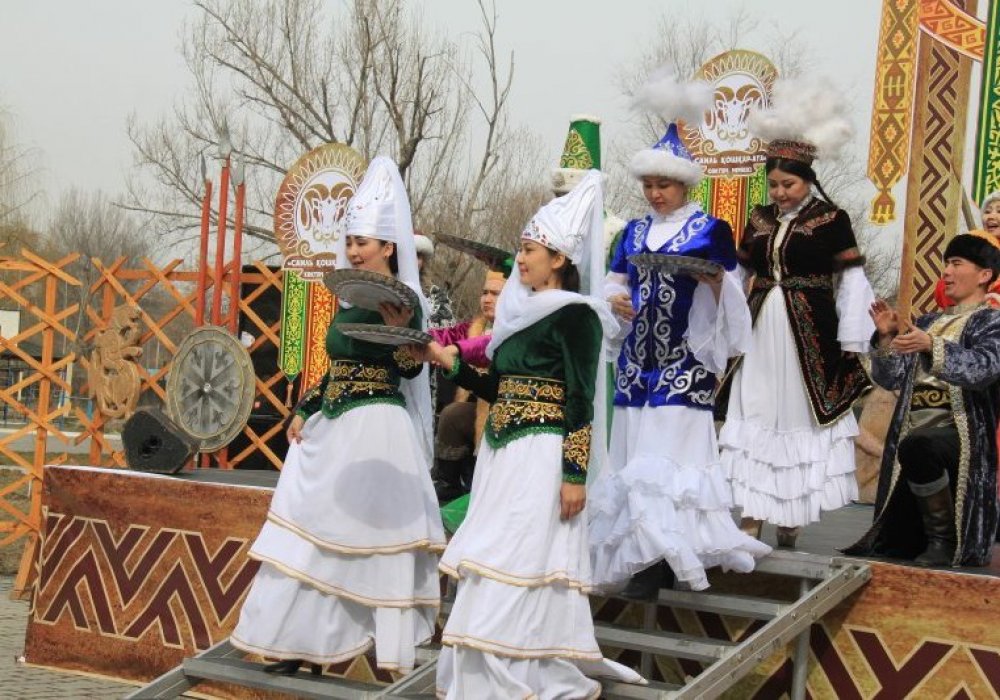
(823, 583)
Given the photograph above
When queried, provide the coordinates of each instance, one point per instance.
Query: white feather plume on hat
(424, 245)
(666, 96)
(809, 110)
(670, 98)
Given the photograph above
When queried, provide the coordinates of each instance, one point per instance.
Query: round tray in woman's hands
(368, 290)
(385, 335)
(484, 252)
(675, 264)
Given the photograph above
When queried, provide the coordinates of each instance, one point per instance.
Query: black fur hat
(978, 249)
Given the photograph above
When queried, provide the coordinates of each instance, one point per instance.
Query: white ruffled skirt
(664, 496)
(783, 467)
(521, 626)
(349, 550)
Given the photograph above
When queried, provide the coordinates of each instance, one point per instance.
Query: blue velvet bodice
(656, 367)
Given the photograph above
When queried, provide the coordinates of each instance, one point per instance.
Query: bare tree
(89, 224)
(18, 189)
(289, 75)
(502, 189)
(507, 201)
(17, 235)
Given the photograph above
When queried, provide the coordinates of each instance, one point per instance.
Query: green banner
(987, 173)
(293, 324)
(756, 190)
(703, 194)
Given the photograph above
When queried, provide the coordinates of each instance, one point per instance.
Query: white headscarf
(381, 209)
(574, 226)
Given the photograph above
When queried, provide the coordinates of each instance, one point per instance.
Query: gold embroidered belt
(526, 402)
(930, 397)
(350, 380)
(795, 282)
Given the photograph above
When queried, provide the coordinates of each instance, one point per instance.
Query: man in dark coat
(937, 495)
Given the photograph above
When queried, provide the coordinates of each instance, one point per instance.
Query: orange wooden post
(26, 572)
(220, 244)
(235, 268)
(237, 264)
(225, 150)
(206, 210)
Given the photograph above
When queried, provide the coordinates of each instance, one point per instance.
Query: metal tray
(384, 335)
(491, 255)
(675, 264)
(367, 290)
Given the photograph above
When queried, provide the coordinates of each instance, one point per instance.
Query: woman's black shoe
(646, 584)
(289, 667)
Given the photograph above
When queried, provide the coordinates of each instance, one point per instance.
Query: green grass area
(6, 460)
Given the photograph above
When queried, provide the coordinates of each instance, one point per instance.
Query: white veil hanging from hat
(381, 209)
(575, 227)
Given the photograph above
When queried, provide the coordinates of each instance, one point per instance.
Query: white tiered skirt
(664, 496)
(784, 468)
(521, 625)
(349, 550)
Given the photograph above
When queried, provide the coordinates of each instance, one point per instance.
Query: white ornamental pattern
(678, 371)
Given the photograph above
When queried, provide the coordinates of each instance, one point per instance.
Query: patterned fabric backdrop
(139, 571)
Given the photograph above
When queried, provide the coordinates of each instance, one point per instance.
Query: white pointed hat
(564, 223)
(381, 209)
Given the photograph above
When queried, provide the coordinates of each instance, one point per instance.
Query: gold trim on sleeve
(937, 355)
(404, 360)
(576, 449)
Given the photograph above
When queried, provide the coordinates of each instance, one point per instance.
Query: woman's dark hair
(797, 168)
(569, 275)
(394, 258)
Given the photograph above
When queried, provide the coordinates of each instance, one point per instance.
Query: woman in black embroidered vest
(350, 548)
(521, 625)
(788, 440)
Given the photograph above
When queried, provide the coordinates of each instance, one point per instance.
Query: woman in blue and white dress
(663, 496)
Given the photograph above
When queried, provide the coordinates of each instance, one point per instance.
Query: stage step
(681, 646)
(417, 685)
(628, 691)
(224, 663)
(823, 583)
(303, 684)
(735, 605)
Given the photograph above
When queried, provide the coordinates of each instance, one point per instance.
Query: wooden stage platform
(139, 571)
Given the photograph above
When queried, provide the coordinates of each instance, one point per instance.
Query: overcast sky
(74, 71)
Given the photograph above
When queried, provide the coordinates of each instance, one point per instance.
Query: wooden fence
(53, 301)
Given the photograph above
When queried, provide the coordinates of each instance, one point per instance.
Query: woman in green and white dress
(521, 625)
(349, 551)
